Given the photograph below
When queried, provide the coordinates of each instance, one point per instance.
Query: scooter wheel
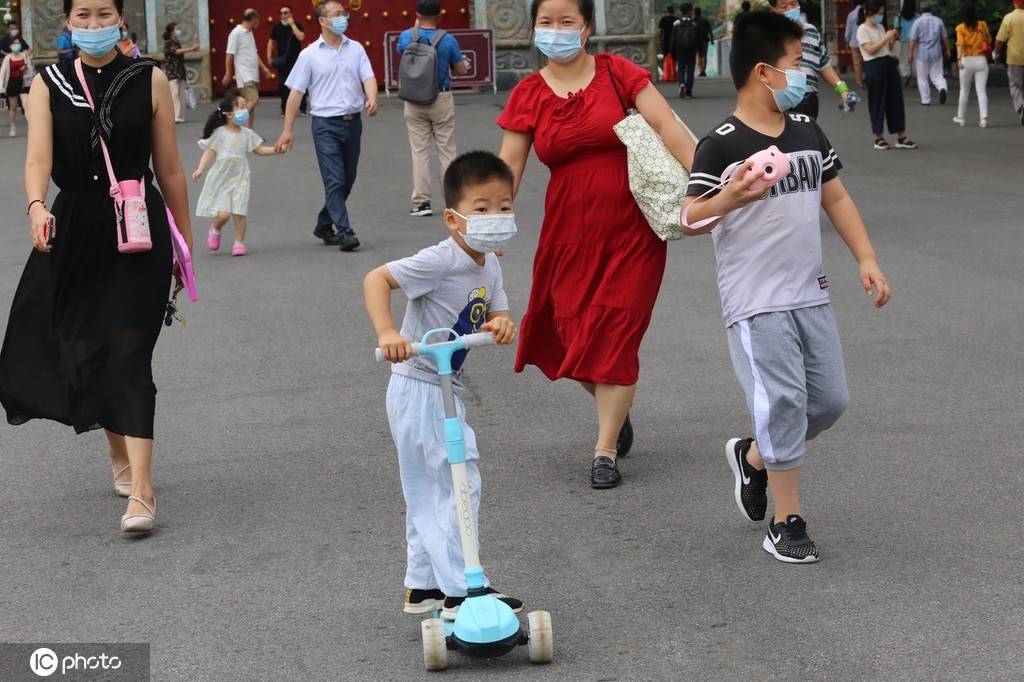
(541, 644)
(435, 653)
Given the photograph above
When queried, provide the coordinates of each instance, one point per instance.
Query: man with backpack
(685, 45)
(429, 57)
(705, 37)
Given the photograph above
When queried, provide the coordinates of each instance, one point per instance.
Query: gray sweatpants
(790, 365)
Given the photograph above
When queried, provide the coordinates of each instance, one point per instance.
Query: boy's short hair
(473, 168)
(759, 37)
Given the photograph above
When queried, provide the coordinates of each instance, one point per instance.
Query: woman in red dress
(598, 265)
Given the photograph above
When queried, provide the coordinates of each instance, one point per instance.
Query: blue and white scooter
(484, 626)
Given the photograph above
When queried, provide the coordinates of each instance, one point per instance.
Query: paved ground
(280, 553)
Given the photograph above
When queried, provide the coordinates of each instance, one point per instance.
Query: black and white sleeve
(708, 165)
(830, 163)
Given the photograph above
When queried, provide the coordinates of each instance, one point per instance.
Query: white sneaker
(983, 123)
(13, 133)
(959, 121)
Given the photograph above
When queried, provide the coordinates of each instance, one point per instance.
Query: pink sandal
(213, 240)
(239, 250)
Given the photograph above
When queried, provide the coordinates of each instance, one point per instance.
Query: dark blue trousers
(337, 151)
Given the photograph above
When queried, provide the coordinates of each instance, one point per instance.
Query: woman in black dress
(85, 318)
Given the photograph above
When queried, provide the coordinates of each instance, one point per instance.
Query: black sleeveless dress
(79, 344)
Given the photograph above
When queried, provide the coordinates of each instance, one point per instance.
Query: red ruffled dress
(598, 266)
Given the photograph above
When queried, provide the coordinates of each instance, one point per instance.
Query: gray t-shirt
(769, 252)
(445, 288)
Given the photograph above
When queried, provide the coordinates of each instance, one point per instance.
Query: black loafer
(604, 473)
(348, 242)
(625, 442)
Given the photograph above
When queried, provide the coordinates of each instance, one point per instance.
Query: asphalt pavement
(280, 551)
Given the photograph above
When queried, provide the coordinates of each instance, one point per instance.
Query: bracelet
(841, 87)
(33, 203)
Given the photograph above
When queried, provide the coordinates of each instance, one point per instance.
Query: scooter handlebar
(469, 340)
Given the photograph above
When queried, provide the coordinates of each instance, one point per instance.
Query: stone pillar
(625, 27)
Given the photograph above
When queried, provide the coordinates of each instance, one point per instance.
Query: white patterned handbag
(656, 178)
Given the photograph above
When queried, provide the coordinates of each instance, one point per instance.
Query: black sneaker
(452, 604)
(326, 233)
(751, 484)
(682, 92)
(625, 442)
(423, 601)
(604, 473)
(422, 210)
(348, 241)
(789, 541)
(942, 96)
(1021, 112)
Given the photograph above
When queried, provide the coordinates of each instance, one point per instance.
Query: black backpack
(684, 36)
(417, 72)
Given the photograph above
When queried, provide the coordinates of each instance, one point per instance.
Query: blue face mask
(878, 20)
(558, 45)
(793, 93)
(339, 25)
(96, 42)
(241, 116)
(13, 32)
(16, 48)
(793, 14)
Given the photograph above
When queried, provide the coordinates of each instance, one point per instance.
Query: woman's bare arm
(656, 111)
(166, 162)
(515, 150)
(39, 159)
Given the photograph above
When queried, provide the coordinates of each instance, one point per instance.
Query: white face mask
(488, 232)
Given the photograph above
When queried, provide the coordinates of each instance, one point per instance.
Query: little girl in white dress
(226, 143)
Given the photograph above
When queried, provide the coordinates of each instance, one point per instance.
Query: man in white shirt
(337, 75)
(243, 61)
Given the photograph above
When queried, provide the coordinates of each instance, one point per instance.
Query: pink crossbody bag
(129, 196)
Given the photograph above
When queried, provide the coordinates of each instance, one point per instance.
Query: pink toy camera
(773, 162)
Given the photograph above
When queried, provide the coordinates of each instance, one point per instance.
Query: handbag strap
(115, 189)
(615, 84)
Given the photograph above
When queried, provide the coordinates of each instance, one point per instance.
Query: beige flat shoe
(122, 488)
(139, 523)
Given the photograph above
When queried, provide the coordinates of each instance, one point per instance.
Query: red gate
(369, 21)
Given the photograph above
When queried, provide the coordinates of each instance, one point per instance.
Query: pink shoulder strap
(115, 190)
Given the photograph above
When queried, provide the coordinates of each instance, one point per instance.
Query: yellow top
(970, 40)
(1011, 32)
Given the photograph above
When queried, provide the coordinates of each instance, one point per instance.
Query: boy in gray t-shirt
(782, 335)
(455, 284)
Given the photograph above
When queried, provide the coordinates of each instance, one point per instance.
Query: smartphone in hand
(51, 230)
